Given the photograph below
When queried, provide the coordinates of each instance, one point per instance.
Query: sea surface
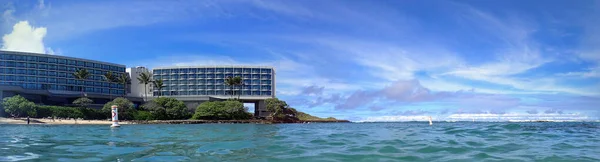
(460, 141)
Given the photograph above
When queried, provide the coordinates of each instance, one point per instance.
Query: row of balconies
(163, 73)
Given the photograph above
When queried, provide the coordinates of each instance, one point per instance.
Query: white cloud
(26, 38)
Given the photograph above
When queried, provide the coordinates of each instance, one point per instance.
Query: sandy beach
(56, 121)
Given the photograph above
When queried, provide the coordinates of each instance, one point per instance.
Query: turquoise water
(304, 142)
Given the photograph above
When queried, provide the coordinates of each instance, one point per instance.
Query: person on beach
(27, 119)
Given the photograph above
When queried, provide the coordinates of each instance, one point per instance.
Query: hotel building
(48, 79)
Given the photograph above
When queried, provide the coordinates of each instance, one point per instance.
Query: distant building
(196, 84)
(48, 79)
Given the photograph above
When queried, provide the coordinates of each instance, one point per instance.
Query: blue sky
(358, 60)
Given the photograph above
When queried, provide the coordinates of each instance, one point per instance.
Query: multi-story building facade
(196, 84)
(48, 79)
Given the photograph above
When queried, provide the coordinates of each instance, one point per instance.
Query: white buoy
(430, 123)
(115, 116)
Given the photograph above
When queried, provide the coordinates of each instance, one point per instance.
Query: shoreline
(45, 121)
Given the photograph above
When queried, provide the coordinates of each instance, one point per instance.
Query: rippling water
(304, 142)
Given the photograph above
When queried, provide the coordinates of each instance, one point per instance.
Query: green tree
(230, 83)
(167, 108)
(124, 79)
(110, 78)
(82, 74)
(222, 110)
(234, 82)
(276, 108)
(126, 109)
(145, 78)
(17, 106)
(83, 102)
(158, 84)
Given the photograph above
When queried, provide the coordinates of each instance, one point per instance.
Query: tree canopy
(18, 106)
(222, 110)
(126, 107)
(167, 108)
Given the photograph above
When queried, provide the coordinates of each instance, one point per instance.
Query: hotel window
(52, 67)
(228, 75)
(42, 59)
(255, 82)
(175, 71)
(220, 76)
(42, 79)
(97, 66)
(201, 87)
(174, 76)
(238, 75)
(193, 71)
(72, 62)
(10, 64)
(61, 81)
(183, 76)
(31, 58)
(62, 61)
(80, 63)
(229, 70)
(248, 93)
(42, 73)
(184, 70)
(255, 93)
(183, 87)
(21, 78)
(254, 71)
(210, 92)
(89, 64)
(210, 70)
(174, 82)
(201, 70)
(210, 87)
(20, 58)
(52, 73)
(192, 76)
(51, 60)
(20, 64)
(51, 80)
(62, 68)
(220, 70)
(30, 79)
(237, 70)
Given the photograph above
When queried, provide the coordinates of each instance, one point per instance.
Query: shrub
(18, 106)
(94, 114)
(60, 112)
(83, 102)
(166, 108)
(143, 115)
(126, 110)
(222, 110)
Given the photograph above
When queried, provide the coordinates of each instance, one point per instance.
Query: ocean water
(461, 141)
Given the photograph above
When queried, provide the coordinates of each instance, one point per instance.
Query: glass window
(89, 64)
(42, 59)
(175, 71)
(20, 58)
(51, 60)
(228, 70)
(62, 61)
(237, 70)
(184, 70)
(72, 62)
(80, 63)
(193, 71)
(20, 64)
(52, 73)
(52, 67)
(62, 68)
(220, 70)
(210, 70)
(255, 70)
(31, 58)
(42, 79)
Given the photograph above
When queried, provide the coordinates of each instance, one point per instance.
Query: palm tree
(229, 81)
(159, 85)
(124, 79)
(145, 78)
(81, 74)
(238, 81)
(110, 78)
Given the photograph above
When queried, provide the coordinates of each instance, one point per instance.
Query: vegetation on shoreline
(163, 108)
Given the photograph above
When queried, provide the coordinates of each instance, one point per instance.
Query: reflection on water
(303, 142)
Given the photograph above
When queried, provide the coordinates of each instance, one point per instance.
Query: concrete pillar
(261, 108)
